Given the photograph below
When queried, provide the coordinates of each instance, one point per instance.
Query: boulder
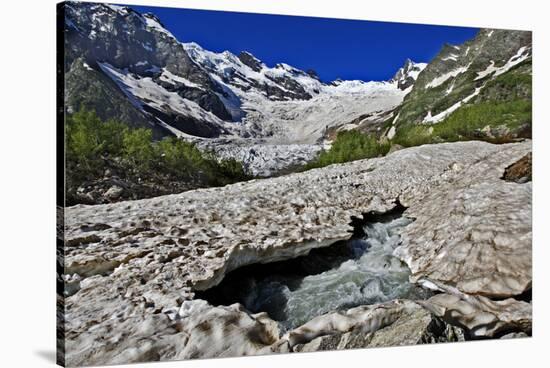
(480, 316)
(114, 192)
(409, 324)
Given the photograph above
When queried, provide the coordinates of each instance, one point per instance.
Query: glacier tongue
(261, 158)
(289, 120)
(193, 92)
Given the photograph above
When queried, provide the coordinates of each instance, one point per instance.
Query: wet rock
(365, 319)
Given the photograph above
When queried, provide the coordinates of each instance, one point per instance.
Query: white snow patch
(395, 119)
(450, 89)
(171, 78)
(429, 119)
(292, 121)
(153, 24)
(443, 78)
(349, 126)
(391, 132)
(143, 91)
(489, 70)
(514, 60)
(520, 56)
(122, 10)
(451, 57)
(419, 67)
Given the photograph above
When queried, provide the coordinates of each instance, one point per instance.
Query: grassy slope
(499, 114)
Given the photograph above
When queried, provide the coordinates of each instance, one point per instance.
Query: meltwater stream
(359, 271)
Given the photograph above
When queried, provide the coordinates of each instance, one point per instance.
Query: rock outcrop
(398, 323)
(134, 266)
(480, 316)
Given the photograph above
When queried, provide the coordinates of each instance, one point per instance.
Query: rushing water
(366, 274)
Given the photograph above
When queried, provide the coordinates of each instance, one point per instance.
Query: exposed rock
(250, 60)
(366, 319)
(98, 34)
(480, 316)
(114, 192)
(406, 323)
(145, 258)
(515, 335)
(520, 171)
(407, 74)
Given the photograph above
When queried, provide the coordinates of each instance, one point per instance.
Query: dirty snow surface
(132, 268)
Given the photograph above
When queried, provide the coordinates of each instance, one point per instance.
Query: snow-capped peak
(247, 72)
(208, 93)
(251, 61)
(152, 22)
(120, 9)
(407, 74)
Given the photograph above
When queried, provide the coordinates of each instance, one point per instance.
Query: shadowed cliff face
(99, 36)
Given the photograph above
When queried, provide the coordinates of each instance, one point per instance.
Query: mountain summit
(407, 74)
(129, 66)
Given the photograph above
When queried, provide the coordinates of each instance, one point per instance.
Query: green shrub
(467, 123)
(413, 135)
(82, 137)
(137, 148)
(93, 145)
(112, 134)
(232, 168)
(349, 146)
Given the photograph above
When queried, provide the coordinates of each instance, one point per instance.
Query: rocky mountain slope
(128, 66)
(494, 67)
(133, 270)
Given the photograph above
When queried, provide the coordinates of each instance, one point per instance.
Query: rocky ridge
(470, 73)
(132, 268)
(114, 53)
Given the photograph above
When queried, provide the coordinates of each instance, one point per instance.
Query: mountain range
(129, 66)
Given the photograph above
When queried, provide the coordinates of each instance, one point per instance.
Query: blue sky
(334, 48)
